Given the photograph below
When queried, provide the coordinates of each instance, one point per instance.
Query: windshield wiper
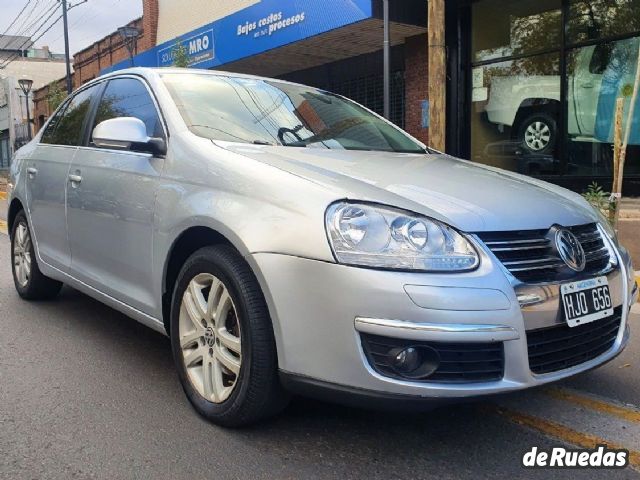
(328, 133)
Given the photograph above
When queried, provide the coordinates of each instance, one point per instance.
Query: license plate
(586, 301)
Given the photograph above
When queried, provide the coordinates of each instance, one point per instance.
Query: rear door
(111, 200)
(47, 172)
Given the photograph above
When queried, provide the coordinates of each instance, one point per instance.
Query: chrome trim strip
(526, 300)
(518, 242)
(589, 237)
(538, 267)
(435, 331)
(532, 260)
(519, 249)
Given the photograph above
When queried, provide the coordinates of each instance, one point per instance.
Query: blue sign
(266, 25)
(425, 113)
(199, 48)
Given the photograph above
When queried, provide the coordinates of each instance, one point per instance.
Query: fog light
(405, 360)
(414, 362)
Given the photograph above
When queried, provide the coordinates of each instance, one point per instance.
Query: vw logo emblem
(570, 250)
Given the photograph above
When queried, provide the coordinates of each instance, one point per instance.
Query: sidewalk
(630, 209)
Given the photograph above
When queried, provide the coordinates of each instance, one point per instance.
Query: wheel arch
(15, 207)
(183, 246)
(530, 106)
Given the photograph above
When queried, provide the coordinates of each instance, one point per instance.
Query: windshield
(269, 112)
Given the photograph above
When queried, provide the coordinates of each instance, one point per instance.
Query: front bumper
(319, 311)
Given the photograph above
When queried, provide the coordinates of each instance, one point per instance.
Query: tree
(180, 55)
(55, 96)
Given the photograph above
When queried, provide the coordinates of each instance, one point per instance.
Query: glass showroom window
(597, 74)
(515, 78)
(600, 19)
(527, 117)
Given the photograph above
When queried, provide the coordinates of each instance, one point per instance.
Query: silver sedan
(289, 240)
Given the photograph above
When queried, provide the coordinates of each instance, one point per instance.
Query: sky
(88, 22)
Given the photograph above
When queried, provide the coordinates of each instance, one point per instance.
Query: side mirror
(127, 133)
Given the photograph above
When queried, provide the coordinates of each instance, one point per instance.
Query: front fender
(256, 207)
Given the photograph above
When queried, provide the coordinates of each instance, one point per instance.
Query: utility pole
(437, 74)
(66, 45)
(386, 45)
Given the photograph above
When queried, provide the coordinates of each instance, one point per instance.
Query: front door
(111, 197)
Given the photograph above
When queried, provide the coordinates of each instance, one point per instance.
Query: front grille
(531, 256)
(459, 362)
(559, 347)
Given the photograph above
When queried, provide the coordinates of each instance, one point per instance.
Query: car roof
(156, 71)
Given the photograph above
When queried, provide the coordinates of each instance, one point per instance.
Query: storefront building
(537, 83)
(334, 44)
(530, 85)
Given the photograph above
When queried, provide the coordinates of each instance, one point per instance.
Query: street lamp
(25, 85)
(129, 36)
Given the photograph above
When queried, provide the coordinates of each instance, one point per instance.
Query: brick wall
(150, 15)
(416, 85)
(88, 63)
(42, 110)
(111, 49)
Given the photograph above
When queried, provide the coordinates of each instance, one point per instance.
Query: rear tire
(221, 326)
(29, 281)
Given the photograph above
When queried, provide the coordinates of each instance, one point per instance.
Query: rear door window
(67, 130)
(47, 136)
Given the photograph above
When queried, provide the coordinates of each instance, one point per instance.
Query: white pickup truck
(530, 104)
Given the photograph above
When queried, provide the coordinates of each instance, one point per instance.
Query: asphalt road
(87, 393)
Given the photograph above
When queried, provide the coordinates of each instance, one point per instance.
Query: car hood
(466, 195)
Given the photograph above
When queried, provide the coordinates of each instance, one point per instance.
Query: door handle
(587, 85)
(32, 172)
(75, 178)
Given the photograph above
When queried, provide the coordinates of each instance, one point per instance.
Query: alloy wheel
(209, 336)
(537, 136)
(22, 255)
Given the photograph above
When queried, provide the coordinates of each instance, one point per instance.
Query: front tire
(29, 281)
(222, 340)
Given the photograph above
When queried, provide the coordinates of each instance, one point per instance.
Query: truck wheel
(222, 340)
(538, 133)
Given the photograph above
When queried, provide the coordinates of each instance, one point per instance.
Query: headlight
(382, 237)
